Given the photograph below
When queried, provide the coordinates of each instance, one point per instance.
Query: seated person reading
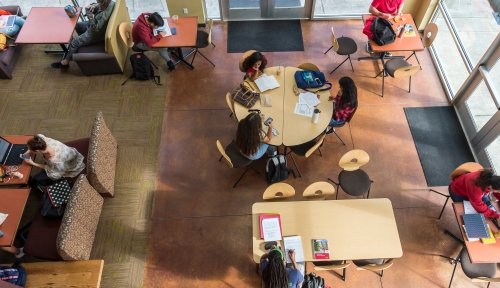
(254, 65)
(251, 139)
(344, 103)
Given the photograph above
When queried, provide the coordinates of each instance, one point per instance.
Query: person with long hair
(251, 139)
(254, 65)
(274, 272)
(344, 103)
(477, 187)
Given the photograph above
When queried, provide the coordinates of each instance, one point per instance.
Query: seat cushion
(364, 262)
(82, 146)
(354, 183)
(201, 39)
(42, 236)
(347, 46)
(93, 48)
(236, 157)
(475, 270)
(392, 65)
(327, 263)
(7, 56)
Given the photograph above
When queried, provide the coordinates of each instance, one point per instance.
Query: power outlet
(185, 10)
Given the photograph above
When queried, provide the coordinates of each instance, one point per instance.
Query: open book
(266, 82)
(293, 243)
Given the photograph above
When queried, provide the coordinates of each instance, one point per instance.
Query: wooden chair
(477, 272)
(278, 191)
(243, 57)
(308, 66)
(234, 158)
(203, 39)
(125, 31)
(332, 266)
(319, 190)
(429, 35)
(374, 265)
(398, 68)
(343, 46)
(210, 24)
(460, 170)
(352, 179)
(306, 149)
(230, 104)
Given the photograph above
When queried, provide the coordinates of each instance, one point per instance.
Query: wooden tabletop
(413, 43)
(63, 274)
(294, 129)
(355, 229)
(187, 28)
(478, 252)
(12, 203)
(47, 25)
(24, 168)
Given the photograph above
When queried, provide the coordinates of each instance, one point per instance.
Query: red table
(13, 202)
(24, 168)
(187, 29)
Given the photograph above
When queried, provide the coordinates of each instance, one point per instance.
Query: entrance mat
(264, 36)
(440, 142)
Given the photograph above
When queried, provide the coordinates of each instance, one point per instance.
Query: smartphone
(173, 30)
(268, 121)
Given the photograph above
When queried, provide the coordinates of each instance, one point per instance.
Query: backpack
(313, 281)
(311, 79)
(142, 69)
(382, 31)
(14, 275)
(276, 169)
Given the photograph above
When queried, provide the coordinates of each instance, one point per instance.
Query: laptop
(10, 153)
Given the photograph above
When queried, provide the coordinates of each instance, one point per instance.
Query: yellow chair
(308, 66)
(343, 46)
(398, 68)
(319, 190)
(477, 272)
(429, 35)
(125, 31)
(203, 39)
(234, 158)
(278, 191)
(230, 104)
(306, 149)
(331, 266)
(374, 265)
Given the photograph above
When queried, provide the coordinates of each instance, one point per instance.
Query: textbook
(270, 227)
(266, 82)
(320, 249)
(475, 226)
(293, 243)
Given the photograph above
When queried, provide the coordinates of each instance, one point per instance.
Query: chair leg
(340, 65)
(239, 179)
(344, 274)
(453, 274)
(412, 55)
(349, 57)
(338, 137)
(381, 273)
(206, 58)
(220, 159)
(328, 49)
(409, 86)
(213, 44)
(383, 80)
(194, 56)
(295, 164)
(444, 206)
(320, 154)
(338, 185)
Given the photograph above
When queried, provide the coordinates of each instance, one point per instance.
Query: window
(332, 8)
(481, 106)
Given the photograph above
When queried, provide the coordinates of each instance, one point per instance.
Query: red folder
(263, 216)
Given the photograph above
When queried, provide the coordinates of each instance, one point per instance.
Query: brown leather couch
(8, 58)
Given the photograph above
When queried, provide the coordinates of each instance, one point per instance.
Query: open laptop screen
(4, 149)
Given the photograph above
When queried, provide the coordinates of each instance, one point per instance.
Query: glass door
(266, 9)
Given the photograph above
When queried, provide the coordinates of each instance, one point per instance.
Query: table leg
(64, 50)
(182, 58)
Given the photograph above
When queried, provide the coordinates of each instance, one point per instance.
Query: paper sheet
(304, 110)
(295, 243)
(468, 209)
(266, 82)
(308, 98)
(165, 28)
(271, 229)
(3, 217)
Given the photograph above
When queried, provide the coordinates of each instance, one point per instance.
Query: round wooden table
(294, 129)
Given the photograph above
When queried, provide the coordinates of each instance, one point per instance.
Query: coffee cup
(175, 18)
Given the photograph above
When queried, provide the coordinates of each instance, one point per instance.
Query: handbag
(307, 79)
(55, 198)
(244, 95)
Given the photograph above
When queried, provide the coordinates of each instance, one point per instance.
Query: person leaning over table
(251, 139)
(386, 9)
(60, 160)
(254, 65)
(344, 103)
(89, 32)
(274, 272)
(142, 34)
(476, 187)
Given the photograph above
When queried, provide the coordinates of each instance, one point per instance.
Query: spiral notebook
(475, 226)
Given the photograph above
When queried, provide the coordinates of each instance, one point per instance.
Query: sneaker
(58, 65)
(369, 48)
(171, 65)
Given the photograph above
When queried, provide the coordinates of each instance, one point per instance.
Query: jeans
(14, 29)
(162, 51)
(334, 122)
(263, 147)
(455, 197)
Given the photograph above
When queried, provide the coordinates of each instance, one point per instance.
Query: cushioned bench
(8, 58)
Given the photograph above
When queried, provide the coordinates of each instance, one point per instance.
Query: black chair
(343, 46)
(342, 125)
(354, 183)
(234, 158)
(398, 68)
(203, 39)
(306, 149)
(478, 272)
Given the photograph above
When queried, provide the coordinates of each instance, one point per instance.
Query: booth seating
(8, 58)
(72, 237)
(109, 56)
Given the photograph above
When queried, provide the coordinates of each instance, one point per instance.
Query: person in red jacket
(143, 37)
(386, 8)
(477, 188)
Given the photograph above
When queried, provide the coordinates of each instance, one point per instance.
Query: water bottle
(315, 116)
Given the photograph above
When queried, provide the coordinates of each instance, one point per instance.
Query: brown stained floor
(201, 226)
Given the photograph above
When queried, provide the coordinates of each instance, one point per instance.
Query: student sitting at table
(254, 65)
(344, 103)
(89, 32)
(477, 188)
(386, 9)
(251, 139)
(142, 34)
(275, 274)
(10, 31)
(60, 160)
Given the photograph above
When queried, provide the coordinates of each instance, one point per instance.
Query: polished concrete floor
(201, 226)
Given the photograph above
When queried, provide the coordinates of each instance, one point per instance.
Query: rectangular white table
(355, 229)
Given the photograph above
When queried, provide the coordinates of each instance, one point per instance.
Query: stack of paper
(266, 82)
(165, 28)
(3, 217)
(305, 105)
(270, 227)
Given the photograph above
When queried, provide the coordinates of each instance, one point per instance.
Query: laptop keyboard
(14, 159)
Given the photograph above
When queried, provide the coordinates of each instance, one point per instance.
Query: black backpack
(14, 275)
(142, 69)
(382, 31)
(276, 169)
(313, 281)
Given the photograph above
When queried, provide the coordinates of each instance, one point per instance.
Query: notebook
(475, 226)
